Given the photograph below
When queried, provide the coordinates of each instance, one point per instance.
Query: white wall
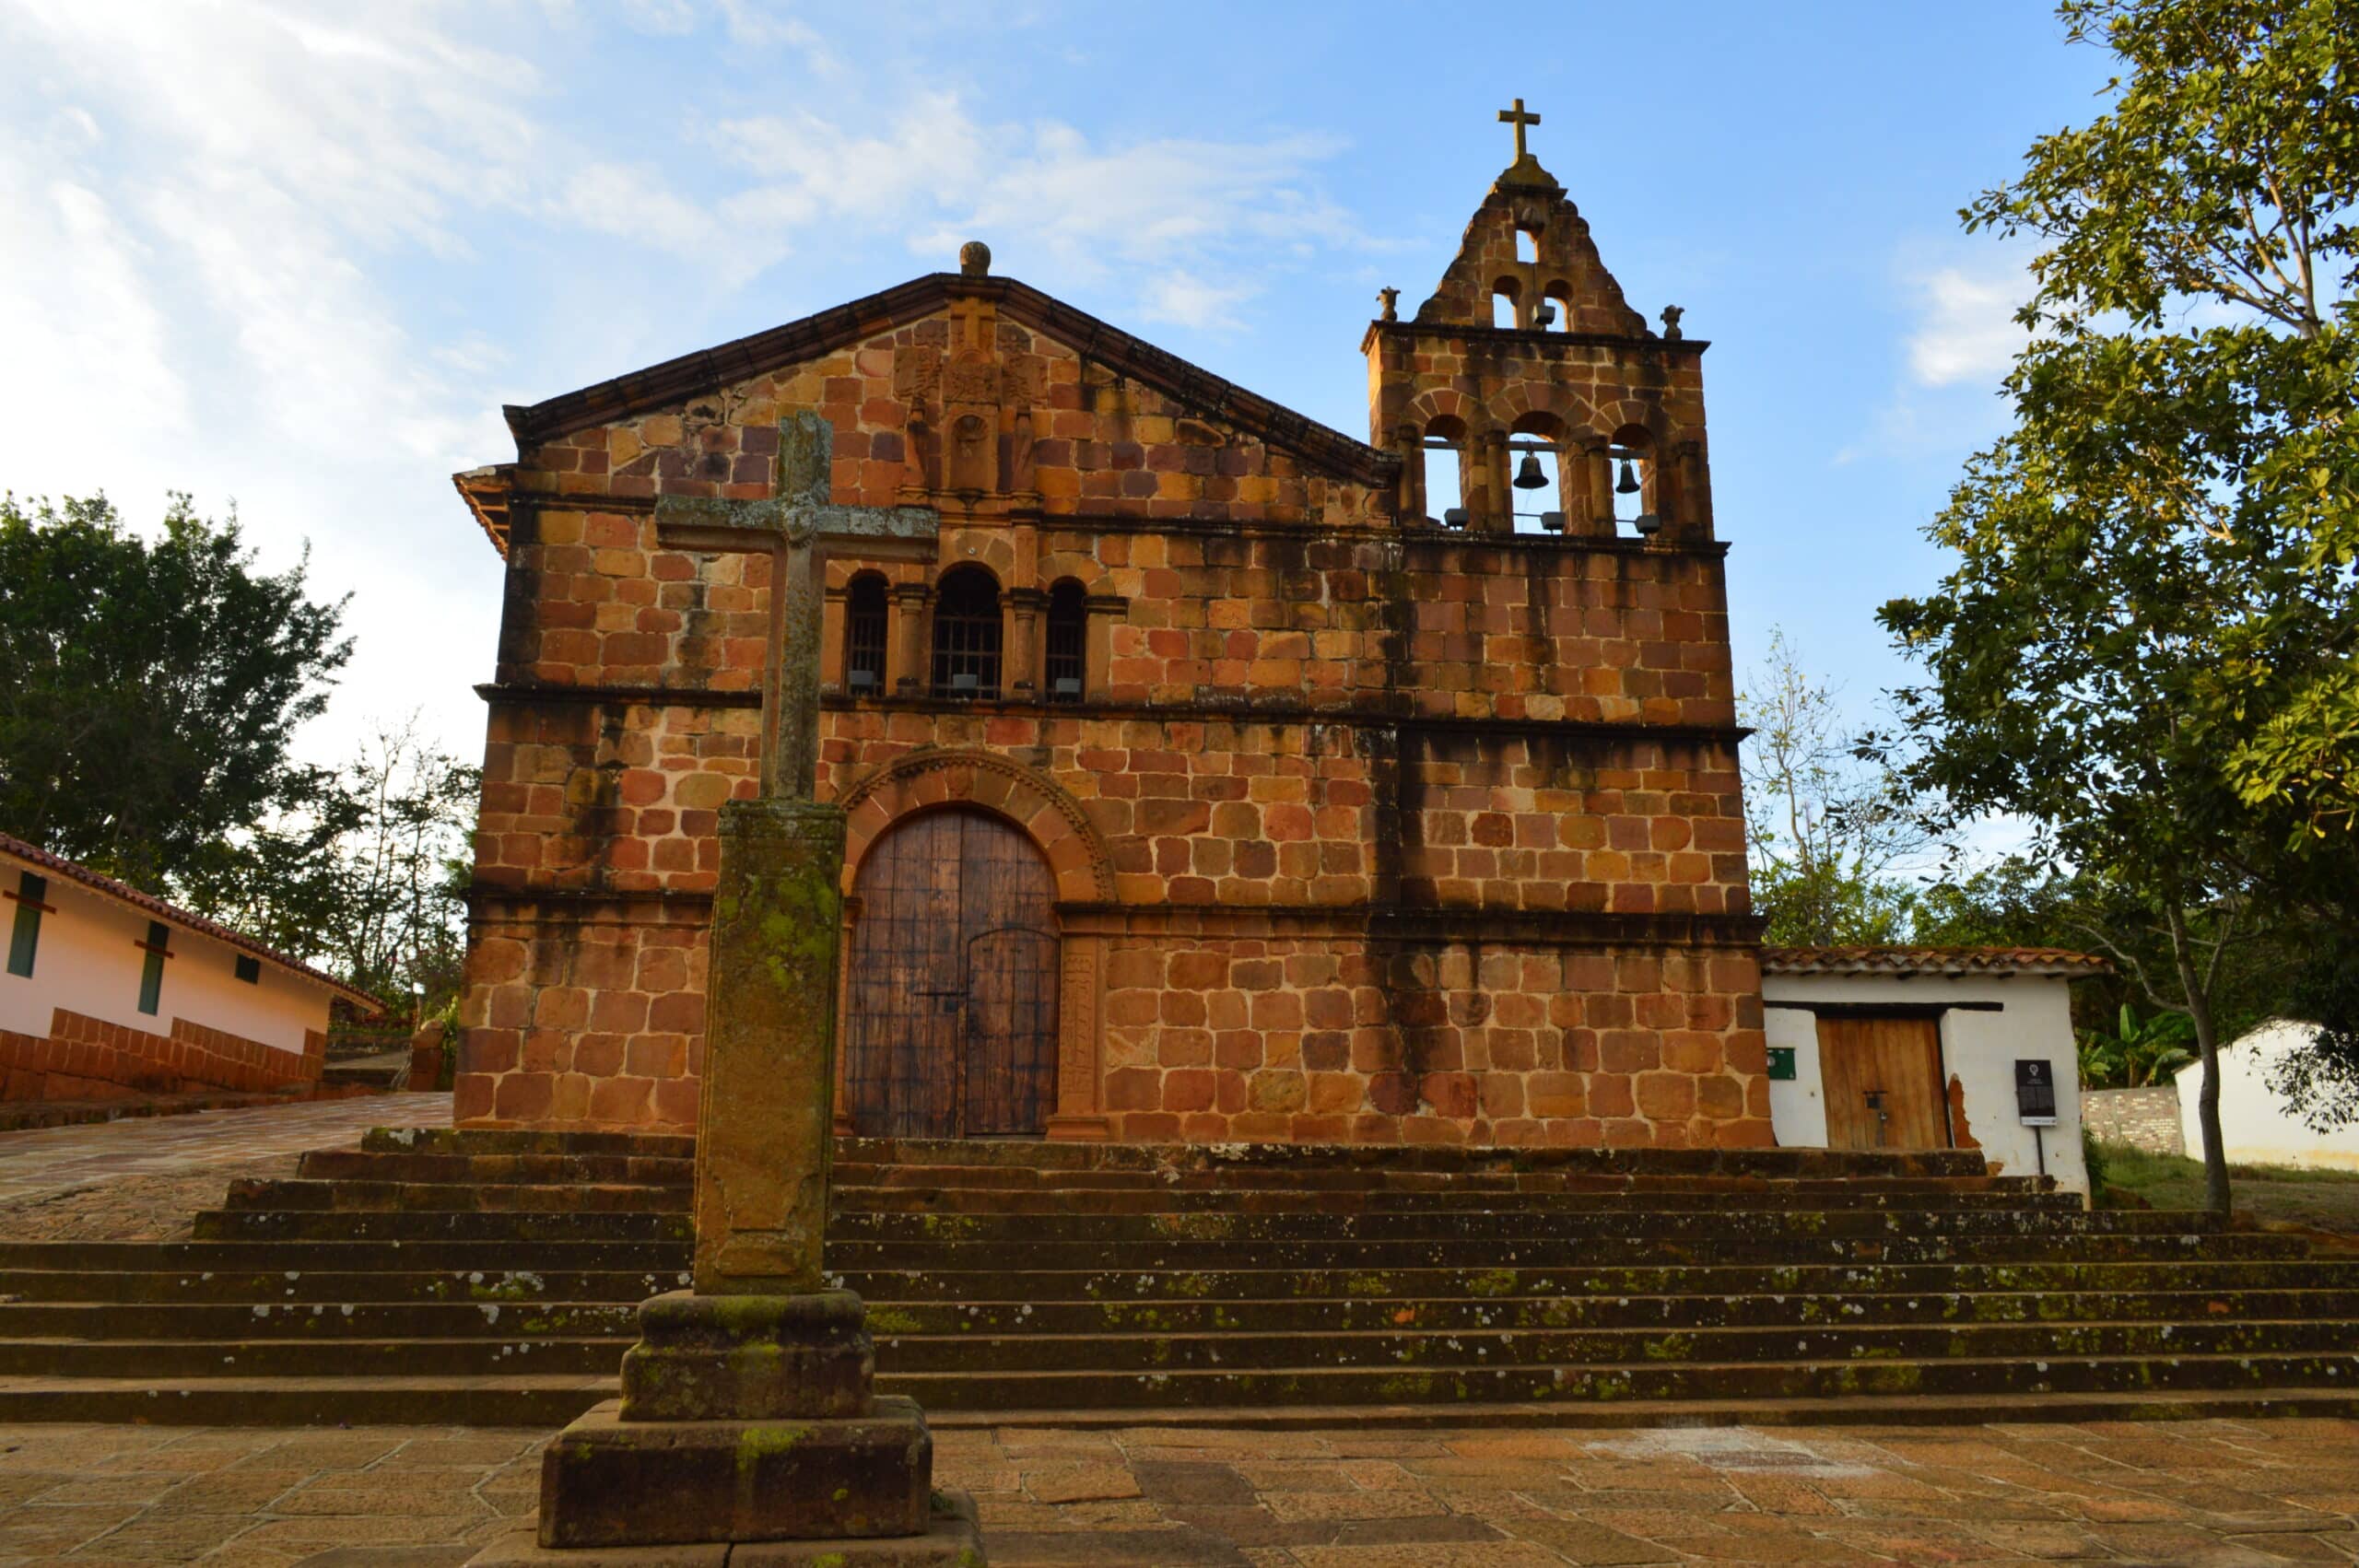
(1978, 1050)
(2254, 1123)
(88, 963)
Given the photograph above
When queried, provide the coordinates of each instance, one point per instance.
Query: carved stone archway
(933, 778)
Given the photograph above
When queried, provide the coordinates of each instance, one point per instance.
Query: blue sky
(300, 255)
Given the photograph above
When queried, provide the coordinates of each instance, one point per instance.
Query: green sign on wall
(1781, 1064)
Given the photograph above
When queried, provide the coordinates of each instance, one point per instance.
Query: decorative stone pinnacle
(974, 258)
(1391, 299)
(1670, 314)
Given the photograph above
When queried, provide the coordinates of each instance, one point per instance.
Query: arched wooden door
(952, 1027)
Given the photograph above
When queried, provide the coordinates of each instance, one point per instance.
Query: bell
(1629, 485)
(1528, 477)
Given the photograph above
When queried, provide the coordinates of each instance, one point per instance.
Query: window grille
(864, 636)
(967, 635)
(1067, 669)
(249, 970)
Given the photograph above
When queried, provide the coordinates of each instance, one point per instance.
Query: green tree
(2153, 606)
(2154, 591)
(149, 692)
(364, 876)
(1823, 830)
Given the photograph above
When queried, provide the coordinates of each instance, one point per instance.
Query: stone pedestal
(748, 1432)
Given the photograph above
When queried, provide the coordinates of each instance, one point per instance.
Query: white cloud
(1167, 214)
(1966, 330)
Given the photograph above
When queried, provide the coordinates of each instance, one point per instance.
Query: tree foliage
(364, 878)
(1823, 832)
(2149, 636)
(149, 692)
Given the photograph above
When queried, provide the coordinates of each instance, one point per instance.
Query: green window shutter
(24, 938)
(151, 978)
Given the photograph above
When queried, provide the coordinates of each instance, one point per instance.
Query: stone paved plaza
(2210, 1494)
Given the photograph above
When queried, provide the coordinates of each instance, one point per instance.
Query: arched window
(1068, 643)
(1504, 295)
(864, 635)
(1444, 492)
(966, 633)
(1558, 297)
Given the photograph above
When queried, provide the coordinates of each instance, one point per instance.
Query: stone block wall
(89, 1059)
(2145, 1118)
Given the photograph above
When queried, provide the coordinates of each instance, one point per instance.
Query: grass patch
(2329, 1200)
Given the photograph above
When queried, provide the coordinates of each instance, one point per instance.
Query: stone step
(1389, 1160)
(364, 1164)
(1418, 1349)
(1357, 1178)
(511, 1226)
(176, 1359)
(1121, 1357)
(614, 1316)
(1730, 1224)
(322, 1195)
(1115, 1215)
(225, 1273)
(1279, 1200)
(1572, 1385)
(510, 1400)
(292, 1258)
(1586, 1253)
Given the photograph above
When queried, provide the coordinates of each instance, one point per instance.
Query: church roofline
(658, 386)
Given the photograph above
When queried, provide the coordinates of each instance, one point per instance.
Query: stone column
(1021, 673)
(1497, 515)
(747, 1411)
(1411, 446)
(910, 676)
(1694, 507)
(1597, 457)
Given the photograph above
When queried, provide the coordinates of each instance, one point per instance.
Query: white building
(2255, 1124)
(109, 992)
(1924, 1047)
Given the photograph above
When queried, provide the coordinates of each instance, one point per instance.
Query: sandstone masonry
(1363, 811)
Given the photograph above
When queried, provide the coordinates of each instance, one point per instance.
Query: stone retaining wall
(2145, 1118)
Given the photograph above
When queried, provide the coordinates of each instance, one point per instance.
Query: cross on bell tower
(1518, 118)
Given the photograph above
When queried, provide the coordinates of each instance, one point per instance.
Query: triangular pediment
(1211, 398)
(1565, 269)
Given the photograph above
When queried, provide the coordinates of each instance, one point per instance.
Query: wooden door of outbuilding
(1881, 1076)
(951, 1027)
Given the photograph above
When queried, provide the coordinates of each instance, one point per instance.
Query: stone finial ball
(974, 258)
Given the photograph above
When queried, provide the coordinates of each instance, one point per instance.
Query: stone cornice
(1179, 712)
(1383, 924)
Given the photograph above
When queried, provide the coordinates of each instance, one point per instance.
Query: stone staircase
(492, 1277)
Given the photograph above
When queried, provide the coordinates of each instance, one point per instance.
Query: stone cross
(794, 527)
(1519, 119)
(766, 1113)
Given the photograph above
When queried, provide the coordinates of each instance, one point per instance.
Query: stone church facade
(1221, 777)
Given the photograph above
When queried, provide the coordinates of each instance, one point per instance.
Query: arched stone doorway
(951, 1023)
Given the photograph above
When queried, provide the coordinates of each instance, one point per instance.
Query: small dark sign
(2036, 1092)
(1781, 1064)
